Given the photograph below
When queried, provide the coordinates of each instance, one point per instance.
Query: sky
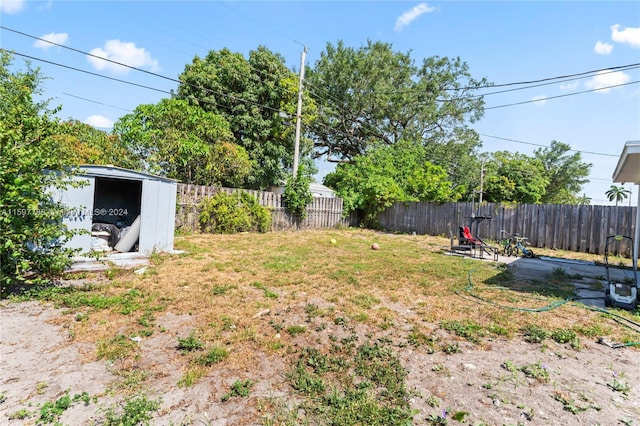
(502, 41)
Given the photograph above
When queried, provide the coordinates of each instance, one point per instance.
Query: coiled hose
(468, 293)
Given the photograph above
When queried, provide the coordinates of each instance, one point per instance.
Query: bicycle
(506, 248)
(520, 247)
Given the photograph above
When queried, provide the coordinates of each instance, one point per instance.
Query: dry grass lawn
(250, 297)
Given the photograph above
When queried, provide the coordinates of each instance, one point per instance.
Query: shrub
(32, 167)
(297, 195)
(231, 213)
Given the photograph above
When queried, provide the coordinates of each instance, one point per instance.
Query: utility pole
(296, 148)
(481, 178)
(481, 183)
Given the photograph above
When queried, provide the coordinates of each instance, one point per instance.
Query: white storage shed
(127, 210)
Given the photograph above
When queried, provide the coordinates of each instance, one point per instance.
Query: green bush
(297, 195)
(33, 165)
(226, 213)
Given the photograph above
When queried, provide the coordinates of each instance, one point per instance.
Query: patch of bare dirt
(498, 382)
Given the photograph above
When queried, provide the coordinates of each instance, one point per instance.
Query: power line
(545, 146)
(262, 23)
(96, 102)
(562, 96)
(533, 83)
(626, 68)
(113, 78)
(553, 78)
(138, 69)
(87, 72)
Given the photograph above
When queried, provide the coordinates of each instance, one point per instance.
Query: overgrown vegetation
(297, 195)
(352, 384)
(132, 412)
(225, 213)
(33, 165)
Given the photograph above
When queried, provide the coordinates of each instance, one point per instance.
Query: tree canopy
(389, 174)
(250, 95)
(373, 95)
(514, 177)
(85, 144)
(551, 176)
(566, 173)
(33, 164)
(184, 142)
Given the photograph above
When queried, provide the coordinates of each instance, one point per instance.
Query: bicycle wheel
(528, 254)
(509, 251)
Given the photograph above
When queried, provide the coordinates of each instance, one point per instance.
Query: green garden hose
(474, 297)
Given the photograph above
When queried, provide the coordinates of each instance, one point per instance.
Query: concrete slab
(588, 278)
(131, 260)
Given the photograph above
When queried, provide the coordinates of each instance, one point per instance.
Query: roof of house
(628, 168)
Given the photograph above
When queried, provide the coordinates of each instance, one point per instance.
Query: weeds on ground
(267, 293)
(352, 384)
(135, 411)
(468, 329)
(536, 334)
(619, 385)
(294, 330)
(240, 388)
(189, 344)
(118, 347)
(51, 411)
(213, 356)
(571, 405)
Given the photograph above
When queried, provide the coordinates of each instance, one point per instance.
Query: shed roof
(110, 171)
(628, 168)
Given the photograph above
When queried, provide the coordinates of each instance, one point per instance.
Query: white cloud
(570, 86)
(539, 100)
(409, 16)
(99, 121)
(59, 38)
(602, 48)
(46, 6)
(605, 79)
(631, 36)
(12, 6)
(123, 52)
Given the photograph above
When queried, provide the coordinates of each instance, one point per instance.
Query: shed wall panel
(79, 214)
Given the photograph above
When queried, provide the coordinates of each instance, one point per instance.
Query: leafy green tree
(514, 177)
(389, 174)
(373, 95)
(87, 145)
(566, 173)
(251, 94)
(184, 142)
(32, 164)
(617, 193)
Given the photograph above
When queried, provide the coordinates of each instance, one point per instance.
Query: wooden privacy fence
(565, 227)
(322, 213)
